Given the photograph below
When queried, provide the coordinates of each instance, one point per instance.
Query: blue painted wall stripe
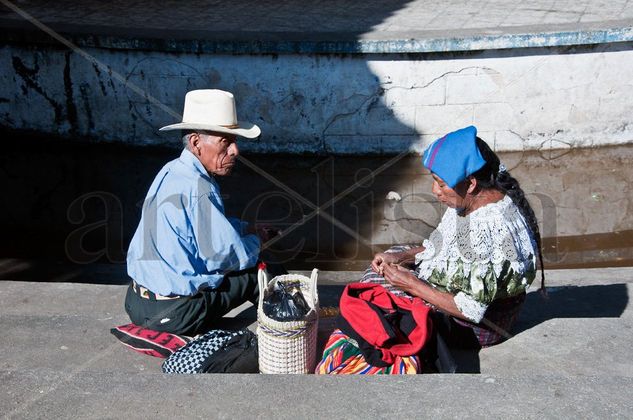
(349, 46)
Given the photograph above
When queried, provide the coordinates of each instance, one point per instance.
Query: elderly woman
(477, 264)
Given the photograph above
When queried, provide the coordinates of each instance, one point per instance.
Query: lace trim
(468, 306)
(483, 240)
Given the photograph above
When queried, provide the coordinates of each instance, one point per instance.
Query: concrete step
(21, 269)
(570, 353)
(48, 393)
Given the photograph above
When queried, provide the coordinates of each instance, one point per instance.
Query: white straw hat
(213, 110)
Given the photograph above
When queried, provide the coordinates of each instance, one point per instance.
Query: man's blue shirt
(184, 241)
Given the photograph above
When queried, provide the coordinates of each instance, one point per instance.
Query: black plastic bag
(285, 303)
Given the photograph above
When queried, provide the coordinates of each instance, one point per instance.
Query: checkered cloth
(192, 357)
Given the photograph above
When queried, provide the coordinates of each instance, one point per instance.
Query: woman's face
(454, 198)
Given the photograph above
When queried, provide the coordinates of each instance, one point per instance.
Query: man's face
(216, 151)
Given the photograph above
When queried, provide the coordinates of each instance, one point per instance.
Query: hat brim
(244, 129)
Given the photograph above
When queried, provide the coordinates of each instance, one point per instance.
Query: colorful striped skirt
(342, 356)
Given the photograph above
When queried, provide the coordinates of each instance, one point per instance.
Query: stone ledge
(385, 42)
(53, 394)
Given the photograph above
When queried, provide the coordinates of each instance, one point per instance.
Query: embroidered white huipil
(486, 255)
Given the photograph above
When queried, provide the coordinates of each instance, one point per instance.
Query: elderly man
(190, 264)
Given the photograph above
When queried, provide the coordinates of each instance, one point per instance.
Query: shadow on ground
(587, 302)
(598, 301)
(56, 271)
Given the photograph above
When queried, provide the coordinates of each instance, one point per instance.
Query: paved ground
(571, 356)
(371, 19)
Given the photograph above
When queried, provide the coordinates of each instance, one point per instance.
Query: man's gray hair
(187, 133)
(185, 139)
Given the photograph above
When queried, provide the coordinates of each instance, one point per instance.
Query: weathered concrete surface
(338, 16)
(570, 357)
(340, 26)
(384, 103)
(47, 394)
(547, 99)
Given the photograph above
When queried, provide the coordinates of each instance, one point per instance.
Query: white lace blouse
(486, 255)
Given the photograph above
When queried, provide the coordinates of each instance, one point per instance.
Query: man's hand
(264, 232)
(383, 258)
(401, 278)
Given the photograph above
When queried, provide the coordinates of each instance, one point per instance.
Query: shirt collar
(191, 161)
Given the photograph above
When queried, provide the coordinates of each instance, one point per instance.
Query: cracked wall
(323, 104)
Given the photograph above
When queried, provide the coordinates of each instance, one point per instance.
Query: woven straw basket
(288, 347)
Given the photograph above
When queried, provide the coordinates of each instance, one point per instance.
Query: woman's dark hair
(489, 177)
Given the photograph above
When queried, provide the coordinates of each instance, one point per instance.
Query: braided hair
(489, 177)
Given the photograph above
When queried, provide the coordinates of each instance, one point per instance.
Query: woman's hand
(384, 258)
(406, 257)
(406, 281)
(401, 278)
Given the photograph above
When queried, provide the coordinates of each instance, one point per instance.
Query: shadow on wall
(81, 199)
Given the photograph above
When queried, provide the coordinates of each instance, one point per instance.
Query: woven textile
(384, 325)
(342, 356)
(150, 342)
(370, 276)
(198, 355)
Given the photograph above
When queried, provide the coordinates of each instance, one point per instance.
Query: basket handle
(313, 284)
(262, 281)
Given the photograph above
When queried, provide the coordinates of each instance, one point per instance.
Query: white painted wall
(350, 104)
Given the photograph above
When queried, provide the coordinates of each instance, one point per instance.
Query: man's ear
(472, 185)
(194, 143)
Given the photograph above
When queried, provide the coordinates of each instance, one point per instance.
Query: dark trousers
(191, 315)
(448, 335)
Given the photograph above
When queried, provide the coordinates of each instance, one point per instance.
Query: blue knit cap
(455, 156)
